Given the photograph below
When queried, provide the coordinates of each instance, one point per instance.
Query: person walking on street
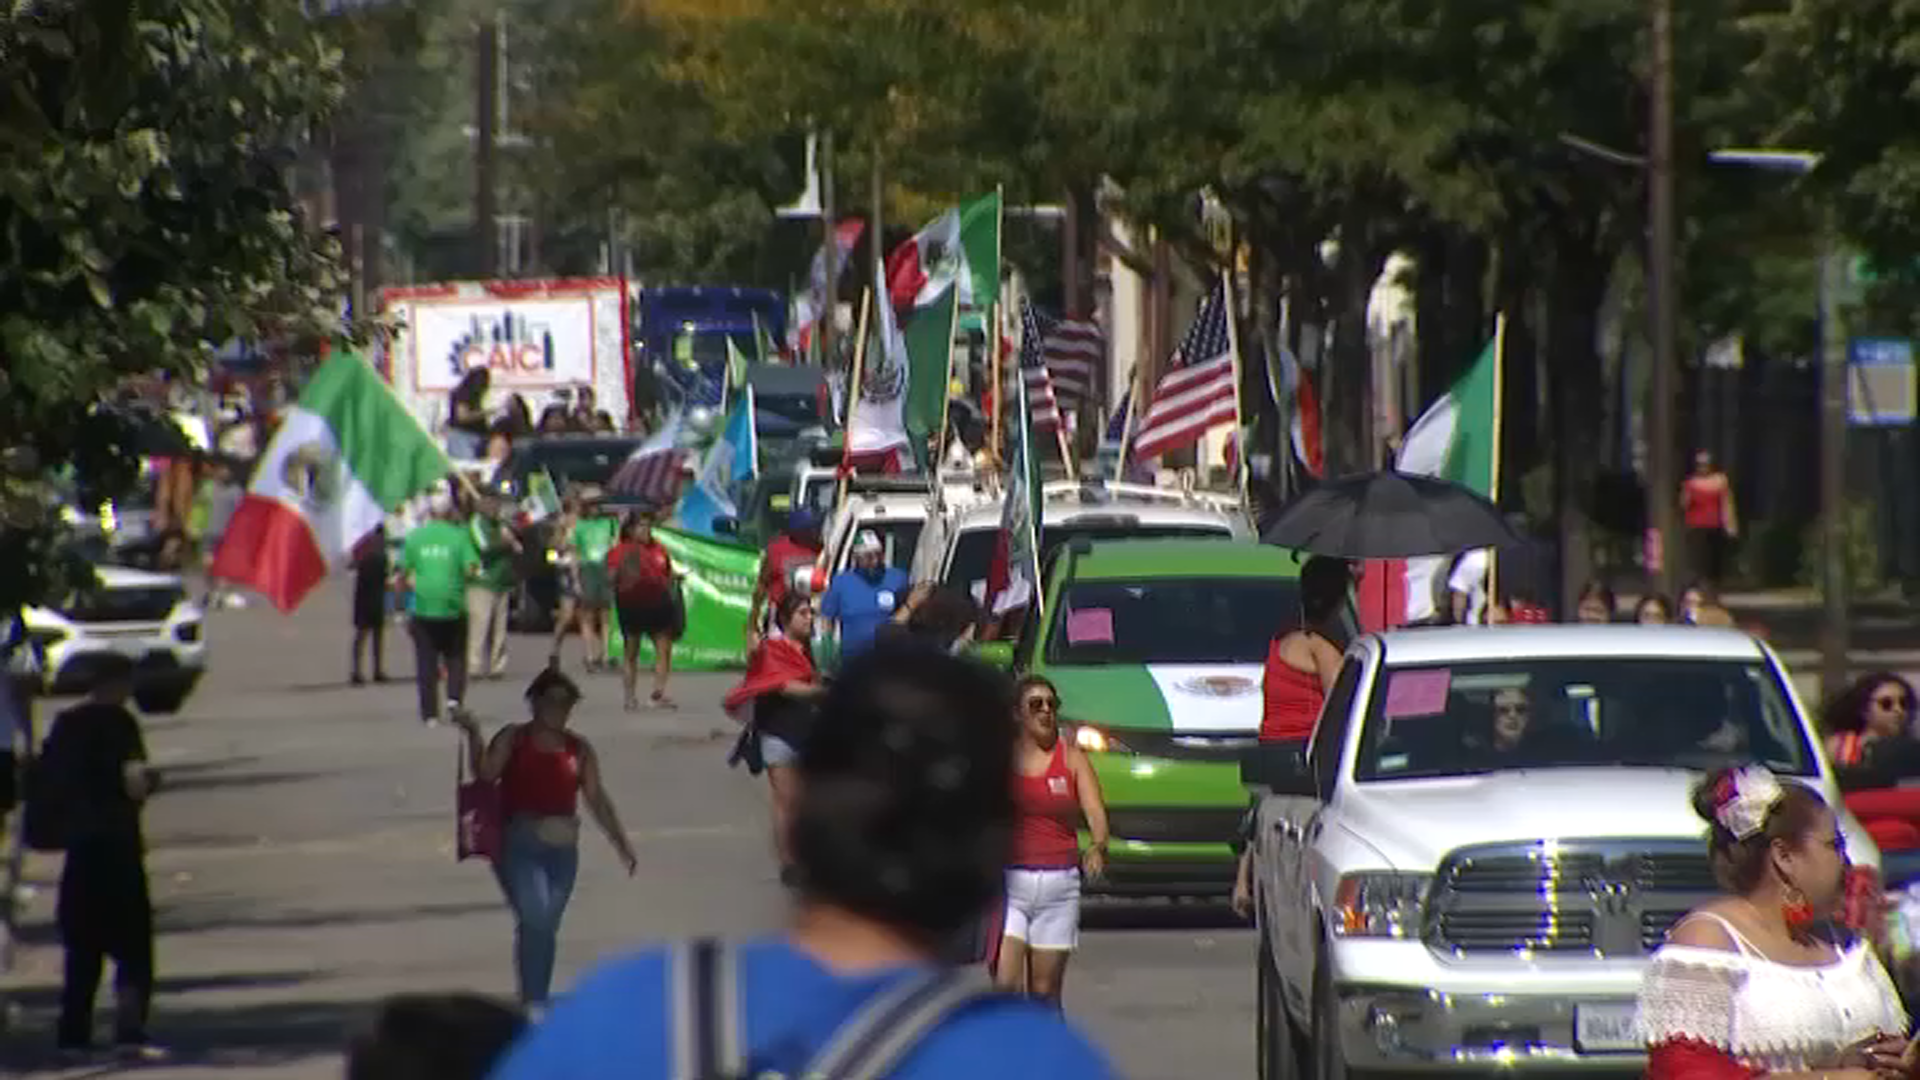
(900, 840)
(1706, 507)
(488, 597)
(644, 581)
(437, 563)
(544, 772)
(372, 569)
(1054, 790)
(776, 701)
(94, 768)
(590, 539)
(567, 574)
(863, 597)
(796, 549)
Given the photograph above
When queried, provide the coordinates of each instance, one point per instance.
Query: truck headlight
(1379, 904)
(1092, 739)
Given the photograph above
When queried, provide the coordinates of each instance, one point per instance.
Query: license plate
(1605, 1028)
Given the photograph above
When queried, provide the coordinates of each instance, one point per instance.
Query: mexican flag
(929, 340)
(960, 247)
(877, 409)
(1457, 439)
(345, 456)
(1013, 579)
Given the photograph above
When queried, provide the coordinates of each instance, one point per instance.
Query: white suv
(143, 616)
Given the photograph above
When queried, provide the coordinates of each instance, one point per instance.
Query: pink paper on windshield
(1417, 693)
(1090, 626)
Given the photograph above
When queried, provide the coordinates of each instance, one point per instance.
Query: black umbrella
(1388, 515)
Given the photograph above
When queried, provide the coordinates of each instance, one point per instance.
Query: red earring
(1797, 912)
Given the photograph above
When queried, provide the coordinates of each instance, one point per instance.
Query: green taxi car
(1157, 648)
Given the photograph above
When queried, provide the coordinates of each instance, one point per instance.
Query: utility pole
(1833, 466)
(486, 65)
(826, 327)
(1662, 479)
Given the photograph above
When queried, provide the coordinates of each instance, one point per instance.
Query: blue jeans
(537, 879)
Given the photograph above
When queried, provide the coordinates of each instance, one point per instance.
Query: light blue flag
(729, 467)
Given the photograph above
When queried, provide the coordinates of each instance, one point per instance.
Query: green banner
(719, 591)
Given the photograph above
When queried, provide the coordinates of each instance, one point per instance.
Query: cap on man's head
(440, 502)
(802, 520)
(867, 540)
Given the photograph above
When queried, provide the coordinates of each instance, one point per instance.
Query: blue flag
(729, 467)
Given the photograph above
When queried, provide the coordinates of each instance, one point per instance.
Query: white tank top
(1768, 1016)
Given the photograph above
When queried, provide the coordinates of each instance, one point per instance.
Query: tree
(146, 216)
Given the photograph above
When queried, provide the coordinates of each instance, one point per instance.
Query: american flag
(655, 470)
(1197, 391)
(1042, 403)
(1072, 350)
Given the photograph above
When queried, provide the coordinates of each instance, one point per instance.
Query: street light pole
(1662, 481)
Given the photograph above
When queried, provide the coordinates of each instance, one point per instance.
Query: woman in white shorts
(1054, 791)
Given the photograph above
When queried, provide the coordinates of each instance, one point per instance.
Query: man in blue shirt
(865, 596)
(900, 840)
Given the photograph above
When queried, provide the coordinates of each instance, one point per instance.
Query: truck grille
(149, 605)
(1600, 897)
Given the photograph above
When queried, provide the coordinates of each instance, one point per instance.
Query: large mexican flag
(961, 248)
(1457, 439)
(347, 454)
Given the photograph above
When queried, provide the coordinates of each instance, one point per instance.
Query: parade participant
(794, 549)
(371, 570)
(1054, 790)
(862, 598)
(566, 575)
(776, 700)
(544, 771)
(1750, 983)
(643, 586)
(900, 840)
(1706, 507)
(93, 768)
(594, 533)
(489, 596)
(437, 563)
(1654, 609)
(467, 414)
(433, 1037)
(1303, 661)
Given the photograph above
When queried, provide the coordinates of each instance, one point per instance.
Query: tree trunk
(1576, 288)
(1347, 375)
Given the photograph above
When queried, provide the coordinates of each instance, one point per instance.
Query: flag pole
(1132, 402)
(1239, 395)
(994, 379)
(1493, 481)
(853, 397)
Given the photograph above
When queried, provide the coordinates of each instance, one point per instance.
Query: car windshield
(586, 461)
(1170, 621)
(899, 536)
(1579, 712)
(973, 550)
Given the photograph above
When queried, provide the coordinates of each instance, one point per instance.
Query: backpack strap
(706, 1011)
(873, 1042)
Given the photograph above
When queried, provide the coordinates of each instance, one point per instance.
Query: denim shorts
(775, 750)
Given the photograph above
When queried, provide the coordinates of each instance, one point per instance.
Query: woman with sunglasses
(543, 772)
(1054, 789)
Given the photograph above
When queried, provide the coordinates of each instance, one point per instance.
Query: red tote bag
(477, 824)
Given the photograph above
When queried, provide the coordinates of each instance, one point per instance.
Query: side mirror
(1280, 768)
(725, 526)
(997, 653)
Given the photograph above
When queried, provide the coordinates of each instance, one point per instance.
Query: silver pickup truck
(1491, 829)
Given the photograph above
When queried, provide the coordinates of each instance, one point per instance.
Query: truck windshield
(973, 549)
(1170, 621)
(1579, 712)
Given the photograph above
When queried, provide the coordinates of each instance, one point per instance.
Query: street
(302, 863)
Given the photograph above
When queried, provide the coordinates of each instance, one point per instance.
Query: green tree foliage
(145, 217)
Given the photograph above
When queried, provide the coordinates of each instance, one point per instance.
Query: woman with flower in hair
(1754, 982)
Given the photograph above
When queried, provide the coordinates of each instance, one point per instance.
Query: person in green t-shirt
(589, 538)
(437, 563)
(487, 599)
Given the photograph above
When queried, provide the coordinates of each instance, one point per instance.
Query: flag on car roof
(1073, 351)
(731, 462)
(345, 456)
(1044, 406)
(961, 247)
(653, 472)
(1013, 579)
(1197, 392)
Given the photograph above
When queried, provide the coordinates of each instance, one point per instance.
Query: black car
(572, 461)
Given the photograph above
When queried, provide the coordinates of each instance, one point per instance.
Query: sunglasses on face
(1893, 702)
(1038, 704)
(1510, 708)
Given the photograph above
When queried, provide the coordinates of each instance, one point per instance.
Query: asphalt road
(303, 867)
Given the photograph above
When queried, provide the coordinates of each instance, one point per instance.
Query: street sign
(1880, 382)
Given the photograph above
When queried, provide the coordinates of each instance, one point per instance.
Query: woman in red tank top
(542, 771)
(1302, 662)
(1054, 790)
(1706, 507)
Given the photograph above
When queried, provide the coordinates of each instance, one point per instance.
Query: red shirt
(648, 571)
(1046, 828)
(782, 557)
(1291, 700)
(539, 782)
(1705, 502)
